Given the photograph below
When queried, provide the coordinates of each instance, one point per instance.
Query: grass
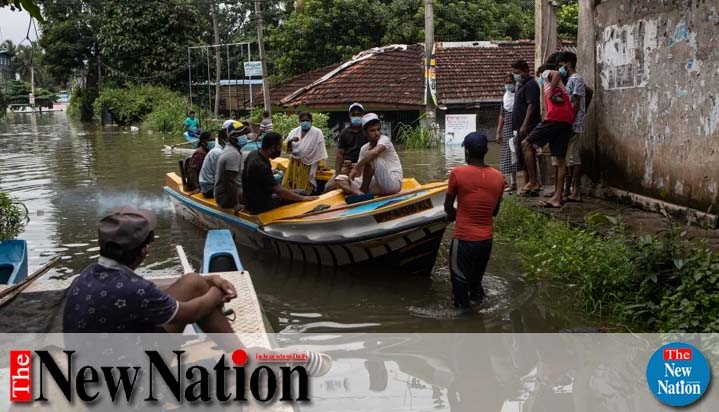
(659, 283)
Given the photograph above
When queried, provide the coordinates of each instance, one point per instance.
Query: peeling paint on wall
(712, 122)
(622, 52)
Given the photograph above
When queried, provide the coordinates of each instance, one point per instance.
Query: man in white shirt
(379, 170)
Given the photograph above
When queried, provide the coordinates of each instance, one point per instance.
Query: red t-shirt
(478, 190)
(558, 112)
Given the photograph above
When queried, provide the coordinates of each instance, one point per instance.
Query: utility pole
(263, 57)
(428, 46)
(545, 31)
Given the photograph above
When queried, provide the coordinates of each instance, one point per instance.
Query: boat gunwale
(431, 189)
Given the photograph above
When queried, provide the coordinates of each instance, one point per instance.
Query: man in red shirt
(555, 129)
(478, 189)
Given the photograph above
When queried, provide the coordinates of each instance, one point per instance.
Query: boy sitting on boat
(109, 296)
(379, 170)
(262, 191)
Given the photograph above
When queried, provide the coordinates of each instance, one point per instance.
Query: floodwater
(68, 174)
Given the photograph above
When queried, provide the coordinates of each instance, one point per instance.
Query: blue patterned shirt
(110, 297)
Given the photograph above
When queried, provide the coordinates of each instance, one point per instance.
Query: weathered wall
(656, 105)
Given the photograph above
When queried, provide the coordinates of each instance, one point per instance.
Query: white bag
(513, 148)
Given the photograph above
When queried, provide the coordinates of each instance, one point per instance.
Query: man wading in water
(478, 190)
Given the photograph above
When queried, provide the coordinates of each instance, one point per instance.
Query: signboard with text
(457, 126)
(253, 69)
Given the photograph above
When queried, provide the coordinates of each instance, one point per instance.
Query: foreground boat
(13, 261)
(402, 231)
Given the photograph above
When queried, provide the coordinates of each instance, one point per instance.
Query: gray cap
(126, 227)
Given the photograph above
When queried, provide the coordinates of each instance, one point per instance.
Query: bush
(417, 137)
(660, 283)
(134, 105)
(81, 102)
(168, 115)
(13, 217)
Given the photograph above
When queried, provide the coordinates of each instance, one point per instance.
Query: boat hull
(13, 261)
(406, 243)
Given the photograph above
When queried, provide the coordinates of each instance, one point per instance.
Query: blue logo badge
(678, 374)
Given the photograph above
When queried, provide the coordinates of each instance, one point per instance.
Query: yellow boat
(402, 231)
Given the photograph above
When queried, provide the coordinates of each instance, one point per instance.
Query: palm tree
(27, 57)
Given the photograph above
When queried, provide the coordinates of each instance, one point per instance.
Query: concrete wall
(654, 121)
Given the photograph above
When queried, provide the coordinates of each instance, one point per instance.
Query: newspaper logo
(20, 376)
(678, 374)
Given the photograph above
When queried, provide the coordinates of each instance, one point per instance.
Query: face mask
(563, 71)
(509, 88)
(356, 121)
(305, 125)
(541, 82)
(517, 77)
(240, 141)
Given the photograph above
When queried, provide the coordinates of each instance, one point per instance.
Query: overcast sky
(13, 25)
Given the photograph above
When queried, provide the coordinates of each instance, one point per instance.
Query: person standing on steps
(478, 189)
(505, 134)
(526, 112)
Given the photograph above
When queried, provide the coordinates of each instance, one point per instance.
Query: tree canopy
(325, 32)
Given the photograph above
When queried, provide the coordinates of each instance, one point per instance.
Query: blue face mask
(563, 71)
(541, 82)
(509, 88)
(241, 140)
(517, 78)
(210, 145)
(305, 125)
(356, 121)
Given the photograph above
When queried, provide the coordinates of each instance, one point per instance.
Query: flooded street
(68, 174)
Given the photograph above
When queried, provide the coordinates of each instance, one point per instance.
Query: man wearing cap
(349, 142)
(228, 176)
(379, 170)
(478, 190)
(209, 165)
(108, 296)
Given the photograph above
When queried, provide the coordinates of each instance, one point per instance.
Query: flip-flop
(549, 205)
(529, 193)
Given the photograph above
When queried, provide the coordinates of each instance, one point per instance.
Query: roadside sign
(32, 99)
(253, 69)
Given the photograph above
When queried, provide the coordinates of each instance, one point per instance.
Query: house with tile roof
(390, 80)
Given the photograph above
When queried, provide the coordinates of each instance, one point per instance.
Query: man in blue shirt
(108, 296)
(192, 125)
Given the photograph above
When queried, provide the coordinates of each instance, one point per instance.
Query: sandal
(528, 193)
(549, 205)
(510, 188)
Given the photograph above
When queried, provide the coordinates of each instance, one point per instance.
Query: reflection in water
(68, 174)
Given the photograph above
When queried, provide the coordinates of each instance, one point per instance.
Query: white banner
(457, 126)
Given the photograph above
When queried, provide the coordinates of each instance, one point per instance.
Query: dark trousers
(467, 264)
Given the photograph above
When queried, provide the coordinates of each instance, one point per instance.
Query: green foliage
(81, 102)
(134, 104)
(168, 115)
(417, 137)
(18, 92)
(568, 20)
(327, 32)
(19, 5)
(13, 217)
(147, 41)
(661, 283)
